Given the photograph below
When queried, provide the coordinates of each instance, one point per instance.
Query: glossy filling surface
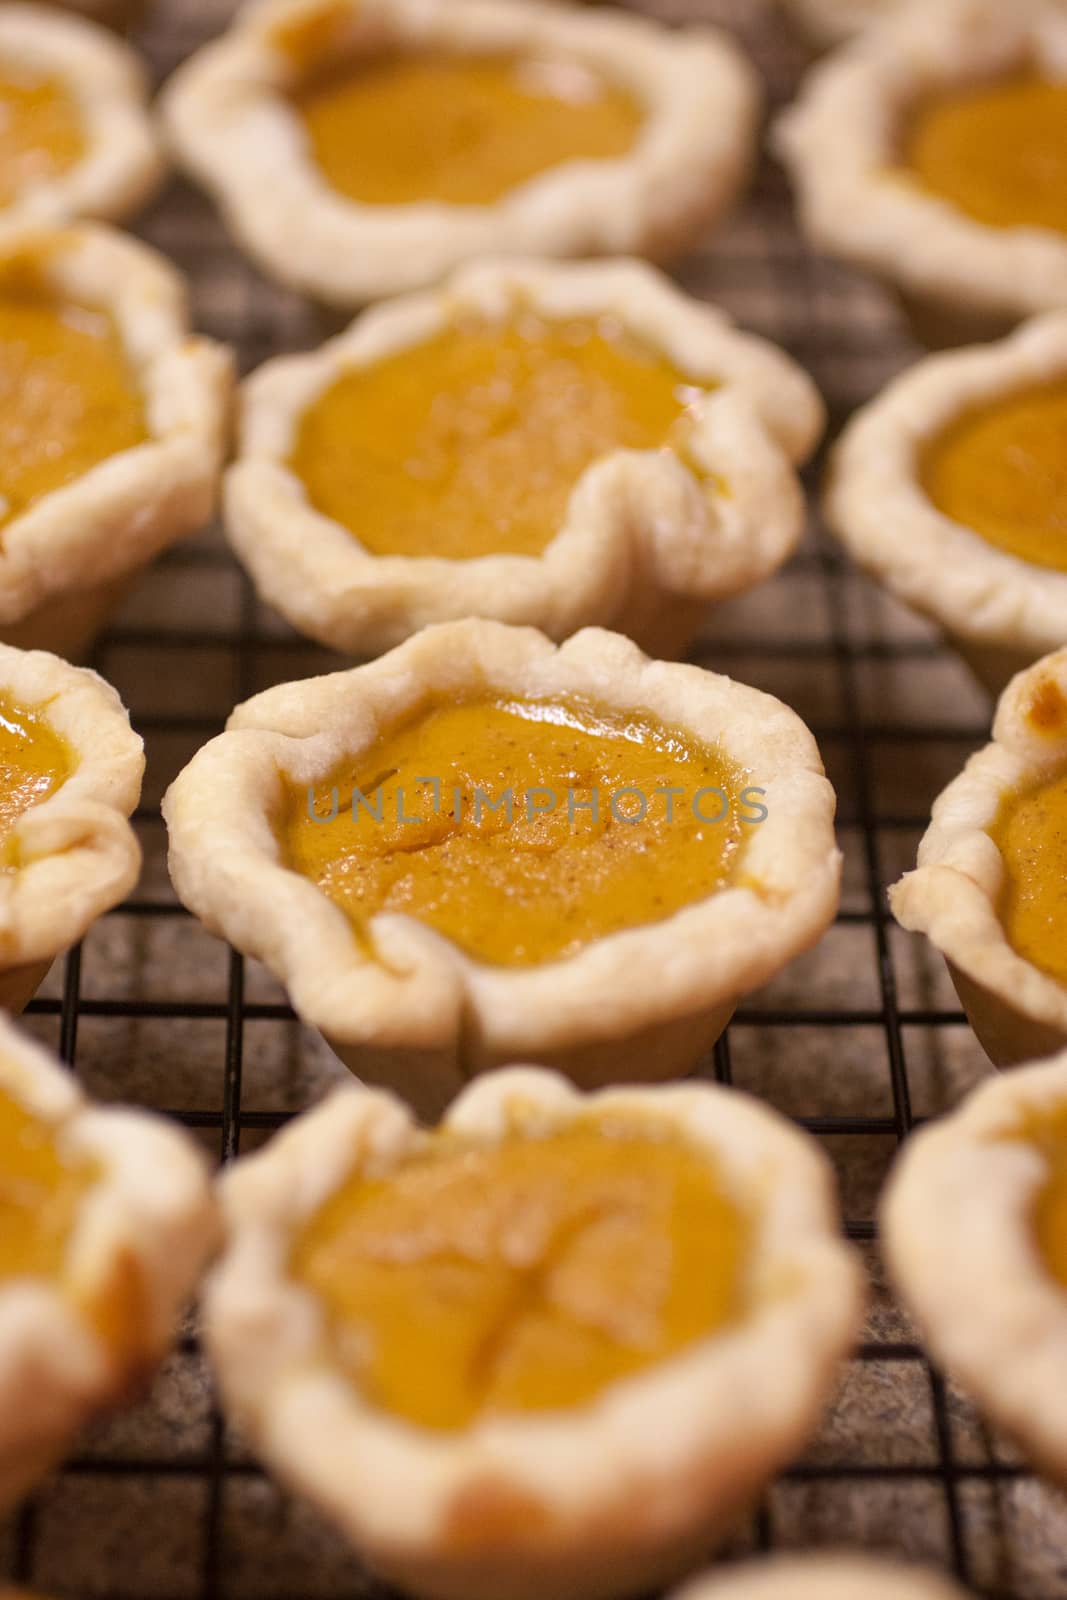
(471, 443)
(34, 762)
(471, 1281)
(1031, 834)
(995, 151)
(1001, 470)
(540, 884)
(68, 397)
(40, 1191)
(459, 129)
(1046, 1130)
(41, 134)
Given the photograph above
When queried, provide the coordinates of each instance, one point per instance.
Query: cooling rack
(857, 1041)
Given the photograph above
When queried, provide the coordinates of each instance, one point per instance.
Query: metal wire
(944, 1502)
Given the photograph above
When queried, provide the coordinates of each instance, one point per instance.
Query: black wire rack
(858, 1041)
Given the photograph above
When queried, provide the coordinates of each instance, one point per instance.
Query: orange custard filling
(591, 842)
(40, 1191)
(1031, 834)
(995, 151)
(41, 133)
(459, 129)
(1001, 470)
(68, 396)
(1046, 1130)
(470, 444)
(470, 1281)
(34, 762)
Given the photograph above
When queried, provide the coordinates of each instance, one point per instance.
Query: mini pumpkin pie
(951, 487)
(830, 1576)
(70, 775)
(480, 845)
(974, 1231)
(75, 135)
(112, 422)
(933, 151)
(363, 147)
(989, 889)
(544, 444)
(106, 1218)
(552, 1347)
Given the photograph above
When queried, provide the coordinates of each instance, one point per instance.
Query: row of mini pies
(231, 121)
(837, 1577)
(598, 1498)
(657, 992)
(648, 539)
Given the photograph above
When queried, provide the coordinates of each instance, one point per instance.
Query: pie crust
(833, 1576)
(78, 855)
(643, 1003)
(964, 278)
(648, 539)
(122, 164)
(829, 22)
(231, 127)
(589, 1501)
(1018, 1012)
(142, 1236)
(999, 611)
(958, 1237)
(67, 559)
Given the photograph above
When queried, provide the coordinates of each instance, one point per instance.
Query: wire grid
(857, 1041)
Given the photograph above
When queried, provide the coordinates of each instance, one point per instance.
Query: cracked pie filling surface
(491, 1312)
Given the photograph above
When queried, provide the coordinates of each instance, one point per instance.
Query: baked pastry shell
(1000, 612)
(638, 1004)
(141, 1237)
(122, 165)
(1017, 1011)
(824, 23)
(958, 1237)
(232, 128)
(966, 280)
(648, 540)
(66, 561)
(78, 855)
(600, 1500)
(831, 1576)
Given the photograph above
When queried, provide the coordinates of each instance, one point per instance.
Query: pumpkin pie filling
(463, 130)
(41, 133)
(1030, 832)
(1046, 1130)
(470, 1281)
(995, 151)
(68, 397)
(522, 829)
(34, 762)
(41, 1188)
(471, 443)
(1001, 470)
